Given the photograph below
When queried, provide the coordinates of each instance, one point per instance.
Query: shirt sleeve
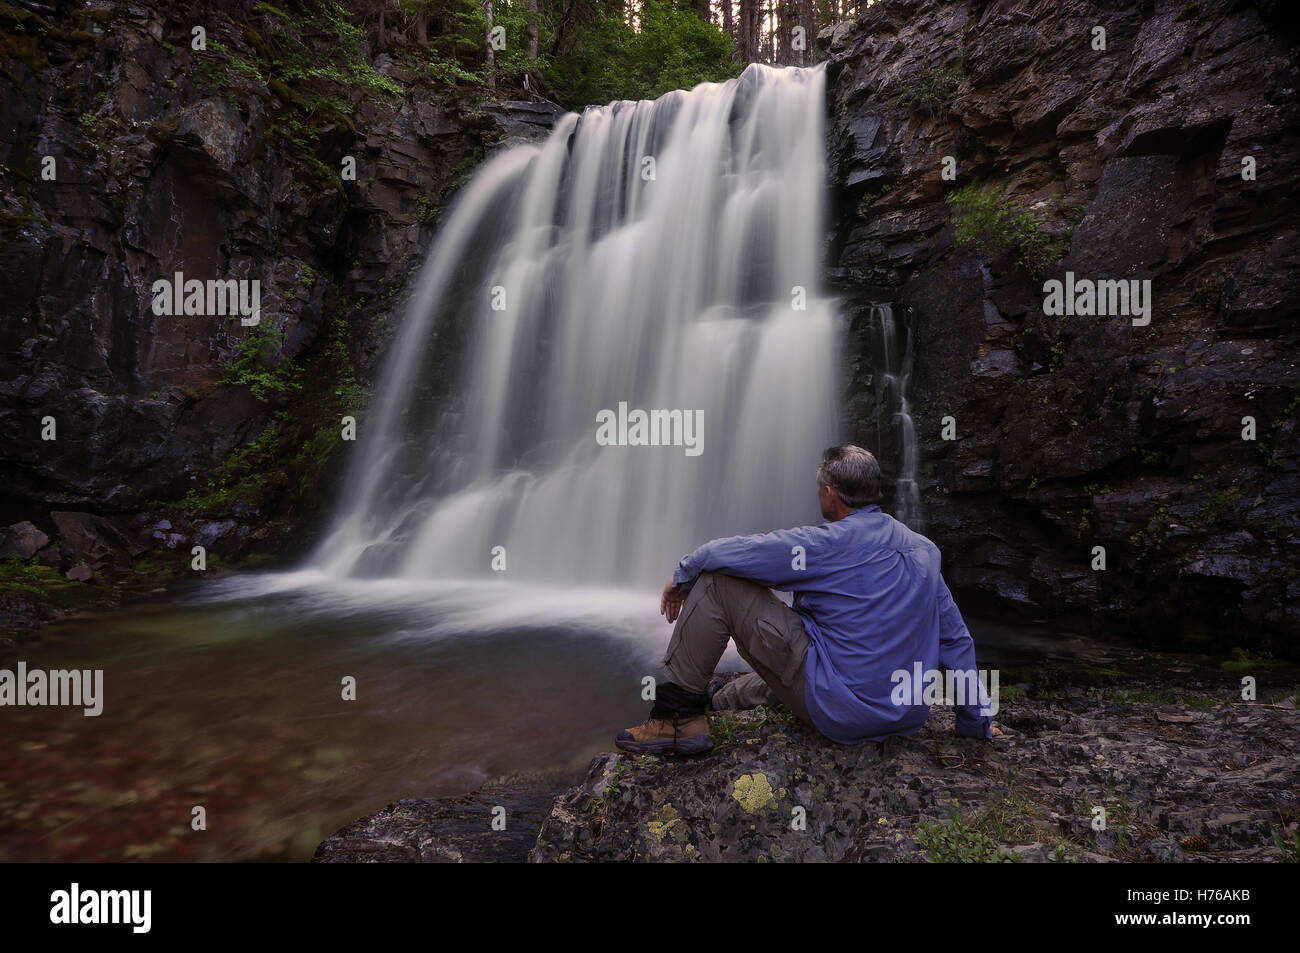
(957, 653)
(777, 560)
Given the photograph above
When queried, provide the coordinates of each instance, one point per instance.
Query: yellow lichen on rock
(754, 793)
(667, 823)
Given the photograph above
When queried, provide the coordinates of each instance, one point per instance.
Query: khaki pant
(769, 635)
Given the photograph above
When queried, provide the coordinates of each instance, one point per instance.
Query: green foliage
(257, 365)
(1217, 504)
(314, 61)
(674, 49)
(994, 225)
(281, 469)
(722, 728)
(450, 71)
(929, 87)
(1289, 846)
(613, 788)
(587, 52)
(1265, 440)
(239, 481)
(959, 842)
(1010, 694)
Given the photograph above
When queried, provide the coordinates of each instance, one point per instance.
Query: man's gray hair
(853, 473)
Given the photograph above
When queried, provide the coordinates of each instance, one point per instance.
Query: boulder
(22, 540)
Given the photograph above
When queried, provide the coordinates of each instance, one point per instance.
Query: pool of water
(229, 697)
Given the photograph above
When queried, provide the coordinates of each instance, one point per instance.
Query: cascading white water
(893, 378)
(665, 255)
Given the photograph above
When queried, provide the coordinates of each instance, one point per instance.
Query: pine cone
(1195, 842)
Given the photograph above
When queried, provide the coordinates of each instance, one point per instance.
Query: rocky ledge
(1084, 775)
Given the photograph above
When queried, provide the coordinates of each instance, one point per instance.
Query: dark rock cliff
(228, 162)
(1079, 431)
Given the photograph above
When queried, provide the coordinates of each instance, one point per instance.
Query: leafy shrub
(959, 842)
(994, 225)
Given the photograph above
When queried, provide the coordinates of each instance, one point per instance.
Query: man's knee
(725, 582)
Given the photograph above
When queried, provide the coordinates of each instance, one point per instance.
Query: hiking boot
(686, 734)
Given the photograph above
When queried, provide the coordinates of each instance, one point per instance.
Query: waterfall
(893, 378)
(648, 256)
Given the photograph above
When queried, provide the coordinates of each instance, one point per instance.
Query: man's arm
(957, 653)
(769, 559)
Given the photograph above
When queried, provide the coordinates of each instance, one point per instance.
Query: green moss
(1188, 12)
(258, 44)
(20, 575)
(1244, 662)
(273, 11)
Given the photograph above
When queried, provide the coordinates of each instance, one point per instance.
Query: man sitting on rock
(869, 601)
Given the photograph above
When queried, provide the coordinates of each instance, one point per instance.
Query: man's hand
(995, 730)
(671, 602)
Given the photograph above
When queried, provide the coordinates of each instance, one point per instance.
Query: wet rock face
(168, 160)
(1078, 431)
(497, 823)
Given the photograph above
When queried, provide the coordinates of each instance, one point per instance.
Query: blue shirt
(873, 602)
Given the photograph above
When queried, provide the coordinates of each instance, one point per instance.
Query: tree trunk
(770, 29)
(532, 31)
(559, 30)
(491, 53)
(749, 30)
(807, 20)
(729, 23)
